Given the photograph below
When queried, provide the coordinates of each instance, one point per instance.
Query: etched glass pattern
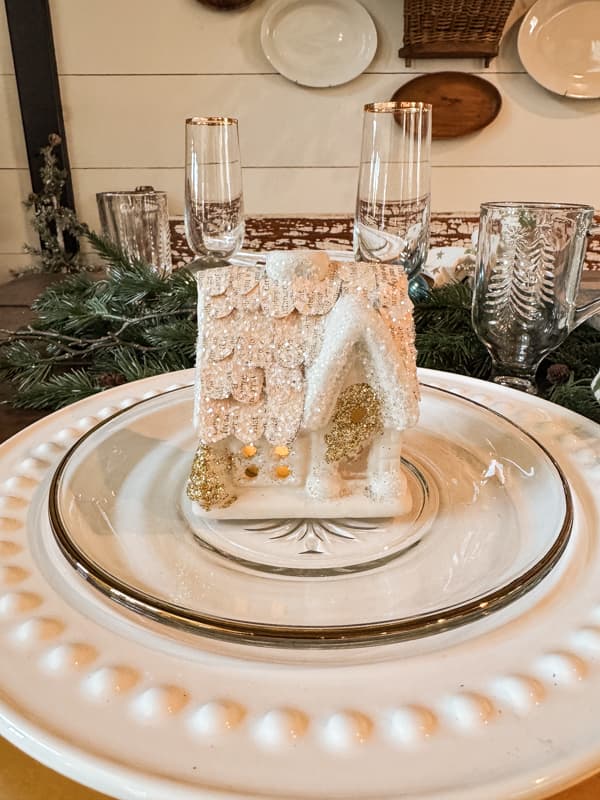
(529, 267)
(138, 223)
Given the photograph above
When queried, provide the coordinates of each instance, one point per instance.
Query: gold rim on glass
(307, 636)
(211, 121)
(391, 107)
(542, 205)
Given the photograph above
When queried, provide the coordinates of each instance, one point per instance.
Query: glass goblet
(214, 208)
(391, 222)
(529, 263)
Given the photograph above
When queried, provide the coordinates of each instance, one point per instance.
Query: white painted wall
(131, 71)
(14, 173)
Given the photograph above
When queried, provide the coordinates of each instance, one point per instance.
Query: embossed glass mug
(529, 263)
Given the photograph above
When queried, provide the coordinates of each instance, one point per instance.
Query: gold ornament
(205, 484)
(281, 451)
(282, 471)
(251, 471)
(355, 421)
(248, 451)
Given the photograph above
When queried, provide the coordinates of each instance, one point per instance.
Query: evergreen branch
(110, 252)
(30, 333)
(452, 295)
(57, 391)
(459, 352)
(578, 396)
(132, 323)
(446, 308)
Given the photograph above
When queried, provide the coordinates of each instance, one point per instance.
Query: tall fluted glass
(214, 207)
(391, 223)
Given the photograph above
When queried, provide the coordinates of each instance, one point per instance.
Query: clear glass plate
(494, 514)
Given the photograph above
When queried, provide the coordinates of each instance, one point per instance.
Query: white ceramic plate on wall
(318, 43)
(559, 45)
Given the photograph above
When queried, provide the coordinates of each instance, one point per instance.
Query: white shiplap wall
(131, 71)
(14, 174)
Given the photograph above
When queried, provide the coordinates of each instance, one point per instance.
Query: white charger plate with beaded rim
(148, 710)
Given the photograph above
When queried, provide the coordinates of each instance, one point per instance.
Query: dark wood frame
(32, 43)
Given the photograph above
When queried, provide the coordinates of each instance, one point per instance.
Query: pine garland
(89, 334)
(92, 334)
(445, 337)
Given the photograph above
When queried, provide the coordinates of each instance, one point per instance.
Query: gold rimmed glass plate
(491, 517)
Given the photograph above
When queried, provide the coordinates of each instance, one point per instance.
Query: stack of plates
(435, 656)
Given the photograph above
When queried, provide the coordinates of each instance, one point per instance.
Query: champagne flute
(391, 223)
(214, 208)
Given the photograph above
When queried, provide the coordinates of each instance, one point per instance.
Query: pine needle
(57, 391)
(133, 323)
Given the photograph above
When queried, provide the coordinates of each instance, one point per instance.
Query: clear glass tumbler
(391, 223)
(138, 223)
(214, 208)
(529, 263)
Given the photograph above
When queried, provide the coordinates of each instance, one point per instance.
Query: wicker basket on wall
(453, 28)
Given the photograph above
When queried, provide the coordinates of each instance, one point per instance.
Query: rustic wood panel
(32, 44)
(335, 233)
(326, 191)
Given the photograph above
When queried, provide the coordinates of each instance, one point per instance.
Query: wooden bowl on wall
(461, 103)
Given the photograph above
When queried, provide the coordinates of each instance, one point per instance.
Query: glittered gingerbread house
(305, 381)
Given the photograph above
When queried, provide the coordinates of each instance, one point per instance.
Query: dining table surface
(23, 778)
